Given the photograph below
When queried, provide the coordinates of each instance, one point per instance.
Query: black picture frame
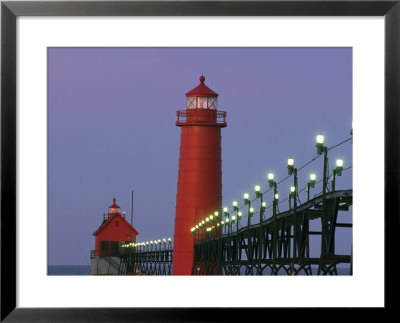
(10, 10)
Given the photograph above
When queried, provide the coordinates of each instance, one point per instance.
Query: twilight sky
(112, 114)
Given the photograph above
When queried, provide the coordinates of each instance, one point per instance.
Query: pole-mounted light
(292, 191)
(246, 198)
(257, 189)
(311, 183)
(276, 196)
(290, 165)
(320, 143)
(216, 216)
(247, 202)
(339, 166)
(263, 205)
(226, 213)
(259, 195)
(337, 171)
(312, 180)
(227, 225)
(270, 178)
(235, 205)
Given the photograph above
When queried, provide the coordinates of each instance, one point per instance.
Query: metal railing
(219, 117)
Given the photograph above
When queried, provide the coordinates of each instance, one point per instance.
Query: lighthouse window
(202, 103)
(191, 103)
(116, 223)
(212, 103)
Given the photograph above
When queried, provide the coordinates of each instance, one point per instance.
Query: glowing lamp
(235, 207)
(339, 166)
(270, 177)
(320, 139)
(313, 177)
(320, 143)
(257, 188)
(290, 166)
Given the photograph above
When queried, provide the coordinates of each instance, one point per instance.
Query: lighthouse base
(104, 265)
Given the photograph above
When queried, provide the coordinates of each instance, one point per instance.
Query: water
(62, 270)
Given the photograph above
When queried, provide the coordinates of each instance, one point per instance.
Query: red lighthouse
(199, 191)
(113, 230)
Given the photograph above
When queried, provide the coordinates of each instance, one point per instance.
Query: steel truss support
(157, 262)
(269, 248)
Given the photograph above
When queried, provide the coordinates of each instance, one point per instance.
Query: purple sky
(112, 114)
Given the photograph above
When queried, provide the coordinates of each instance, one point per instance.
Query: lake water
(59, 270)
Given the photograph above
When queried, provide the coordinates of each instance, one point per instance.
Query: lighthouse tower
(199, 191)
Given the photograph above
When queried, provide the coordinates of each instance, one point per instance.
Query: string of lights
(213, 222)
(151, 245)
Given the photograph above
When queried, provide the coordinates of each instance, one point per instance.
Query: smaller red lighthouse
(112, 233)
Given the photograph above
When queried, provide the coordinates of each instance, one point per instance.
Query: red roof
(202, 90)
(111, 220)
(113, 205)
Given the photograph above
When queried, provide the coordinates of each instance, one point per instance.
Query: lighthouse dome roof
(114, 205)
(202, 90)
